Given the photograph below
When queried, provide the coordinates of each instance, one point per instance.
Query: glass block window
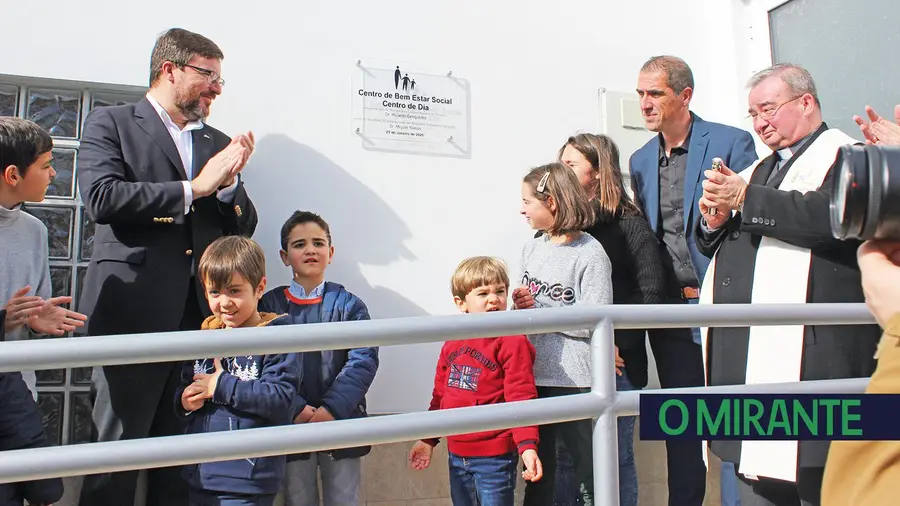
(60, 108)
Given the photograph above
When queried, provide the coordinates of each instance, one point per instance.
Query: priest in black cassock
(772, 243)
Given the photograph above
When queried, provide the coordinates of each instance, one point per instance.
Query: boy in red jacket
(475, 372)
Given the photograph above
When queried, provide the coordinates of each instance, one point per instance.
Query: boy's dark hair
(299, 218)
(232, 254)
(22, 141)
(178, 46)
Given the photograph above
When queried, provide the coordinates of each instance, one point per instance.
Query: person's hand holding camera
(879, 263)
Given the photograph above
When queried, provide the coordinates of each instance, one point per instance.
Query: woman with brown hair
(637, 275)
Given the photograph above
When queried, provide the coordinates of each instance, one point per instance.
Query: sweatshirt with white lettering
(558, 275)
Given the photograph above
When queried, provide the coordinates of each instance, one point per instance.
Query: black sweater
(637, 278)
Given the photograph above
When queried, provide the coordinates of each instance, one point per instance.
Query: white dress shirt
(297, 290)
(184, 142)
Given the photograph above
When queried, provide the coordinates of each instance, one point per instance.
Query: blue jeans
(566, 491)
(483, 481)
(206, 498)
(577, 437)
(730, 494)
(340, 481)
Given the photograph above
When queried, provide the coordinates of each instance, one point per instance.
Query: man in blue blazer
(666, 176)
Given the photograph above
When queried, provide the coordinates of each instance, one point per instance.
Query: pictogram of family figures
(409, 84)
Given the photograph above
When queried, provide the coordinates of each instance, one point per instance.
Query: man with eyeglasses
(771, 242)
(161, 185)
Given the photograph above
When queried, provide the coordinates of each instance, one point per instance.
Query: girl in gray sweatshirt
(562, 267)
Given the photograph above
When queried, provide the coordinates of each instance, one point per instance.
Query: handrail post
(605, 434)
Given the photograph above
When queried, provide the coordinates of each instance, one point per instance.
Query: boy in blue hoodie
(335, 382)
(243, 392)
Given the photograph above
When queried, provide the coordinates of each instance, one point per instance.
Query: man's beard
(191, 109)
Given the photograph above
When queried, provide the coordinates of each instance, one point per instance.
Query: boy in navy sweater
(243, 392)
(20, 422)
(335, 381)
(475, 372)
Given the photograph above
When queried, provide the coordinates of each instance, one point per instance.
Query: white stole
(780, 276)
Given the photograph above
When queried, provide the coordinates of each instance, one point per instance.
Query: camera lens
(866, 200)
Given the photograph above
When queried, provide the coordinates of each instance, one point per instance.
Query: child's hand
(522, 298)
(209, 382)
(192, 398)
(305, 415)
(420, 455)
(54, 320)
(533, 470)
(20, 309)
(620, 364)
(321, 415)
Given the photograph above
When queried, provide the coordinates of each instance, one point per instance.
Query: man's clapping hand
(222, 168)
(880, 131)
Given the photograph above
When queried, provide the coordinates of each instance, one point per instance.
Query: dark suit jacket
(708, 140)
(829, 351)
(130, 177)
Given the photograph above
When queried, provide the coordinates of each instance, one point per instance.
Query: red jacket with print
(475, 372)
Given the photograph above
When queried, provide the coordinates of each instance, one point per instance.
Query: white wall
(401, 222)
(752, 52)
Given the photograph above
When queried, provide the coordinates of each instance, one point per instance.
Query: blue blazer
(708, 140)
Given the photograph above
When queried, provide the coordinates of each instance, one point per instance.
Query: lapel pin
(206, 136)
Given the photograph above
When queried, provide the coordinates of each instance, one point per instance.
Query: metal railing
(603, 404)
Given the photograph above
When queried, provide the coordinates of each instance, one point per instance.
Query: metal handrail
(58, 353)
(603, 403)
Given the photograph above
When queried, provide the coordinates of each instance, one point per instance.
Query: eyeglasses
(211, 76)
(769, 111)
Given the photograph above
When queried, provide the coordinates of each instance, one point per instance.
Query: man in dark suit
(161, 185)
(666, 176)
(772, 241)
